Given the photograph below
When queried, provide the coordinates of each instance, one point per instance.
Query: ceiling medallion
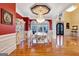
(40, 11)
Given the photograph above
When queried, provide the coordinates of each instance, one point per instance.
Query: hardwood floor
(71, 48)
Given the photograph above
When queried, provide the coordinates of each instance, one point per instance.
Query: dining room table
(40, 38)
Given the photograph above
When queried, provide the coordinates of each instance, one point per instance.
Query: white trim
(7, 43)
(9, 50)
(7, 35)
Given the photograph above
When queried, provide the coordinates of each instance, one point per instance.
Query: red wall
(27, 23)
(50, 24)
(7, 29)
(19, 16)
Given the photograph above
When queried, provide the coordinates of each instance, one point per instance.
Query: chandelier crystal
(40, 11)
(40, 19)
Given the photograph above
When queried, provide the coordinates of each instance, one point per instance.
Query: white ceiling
(24, 9)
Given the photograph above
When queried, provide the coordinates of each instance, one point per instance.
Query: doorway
(20, 26)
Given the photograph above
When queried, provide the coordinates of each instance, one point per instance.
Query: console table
(74, 32)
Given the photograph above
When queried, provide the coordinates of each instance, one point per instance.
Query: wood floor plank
(71, 48)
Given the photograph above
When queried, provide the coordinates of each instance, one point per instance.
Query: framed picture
(6, 17)
(74, 27)
(67, 25)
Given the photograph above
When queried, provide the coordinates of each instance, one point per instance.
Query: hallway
(39, 29)
(71, 48)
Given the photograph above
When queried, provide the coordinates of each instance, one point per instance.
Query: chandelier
(40, 18)
(40, 11)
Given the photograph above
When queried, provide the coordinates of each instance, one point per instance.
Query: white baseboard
(7, 43)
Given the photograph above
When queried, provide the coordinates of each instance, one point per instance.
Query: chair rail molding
(7, 43)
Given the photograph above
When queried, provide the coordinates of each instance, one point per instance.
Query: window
(36, 27)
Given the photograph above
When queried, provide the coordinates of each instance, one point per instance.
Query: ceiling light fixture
(72, 8)
(40, 19)
(40, 11)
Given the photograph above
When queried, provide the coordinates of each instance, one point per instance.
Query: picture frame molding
(2, 17)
